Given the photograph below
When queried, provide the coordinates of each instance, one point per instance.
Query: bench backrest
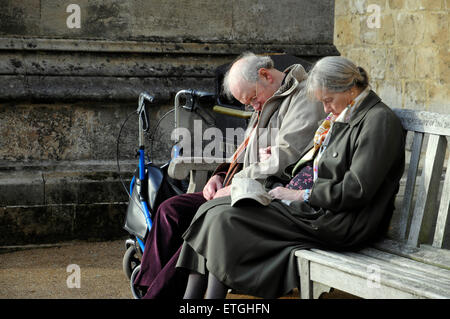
(425, 207)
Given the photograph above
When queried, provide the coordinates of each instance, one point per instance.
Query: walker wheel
(130, 261)
(135, 290)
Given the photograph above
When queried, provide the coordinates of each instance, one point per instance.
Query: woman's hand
(286, 193)
(225, 191)
(214, 184)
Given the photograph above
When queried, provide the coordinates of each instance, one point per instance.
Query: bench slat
(410, 183)
(388, 279)
(405, 262)
(444, 210)
(438, 282)
(353, 284)
(426, 208)
(436, 251)
(425, 122)
(423, 255)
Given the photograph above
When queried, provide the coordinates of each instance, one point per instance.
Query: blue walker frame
(141, 165)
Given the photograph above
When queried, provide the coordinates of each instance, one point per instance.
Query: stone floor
(37, 272)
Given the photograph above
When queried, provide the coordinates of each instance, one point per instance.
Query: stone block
(444, 65)
(375, 63)
(404, 61)
(410, 28)
(21, 187)
(423, 4)
(55, 223)
(396, 4)
(391, 93)
(438, 98)
(386, 33)
(436, 29)
(390, 64)
(99, 221)
(19, 17)
(187, 20)
(98, 19)
(303, 22)
(347, 30)
(78, 187)
(360, 6)
(35, 224)
(367, 35)
(357, 55)
(427, 63)
(341, 8)
(415, 95)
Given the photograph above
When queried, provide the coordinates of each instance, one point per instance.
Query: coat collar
(295, 75)
(371, 99)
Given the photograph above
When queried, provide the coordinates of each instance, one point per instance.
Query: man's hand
(212, 186)
(264, 153)
(286, 193)
(225, 191)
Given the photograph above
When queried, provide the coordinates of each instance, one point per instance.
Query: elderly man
(281, 110)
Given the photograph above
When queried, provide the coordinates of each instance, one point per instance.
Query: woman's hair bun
(363, 80)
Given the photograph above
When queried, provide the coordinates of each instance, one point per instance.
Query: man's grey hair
(335, 74)
(248, 71)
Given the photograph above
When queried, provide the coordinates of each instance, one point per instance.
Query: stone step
(77, 183)
(51, 202)
(21, 225)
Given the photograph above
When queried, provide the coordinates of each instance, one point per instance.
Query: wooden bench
(410, 262)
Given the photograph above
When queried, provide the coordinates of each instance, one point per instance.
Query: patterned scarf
(319, 138)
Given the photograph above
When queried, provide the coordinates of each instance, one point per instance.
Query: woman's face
(334, 102)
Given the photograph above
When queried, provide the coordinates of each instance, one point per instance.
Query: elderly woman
(340, 195)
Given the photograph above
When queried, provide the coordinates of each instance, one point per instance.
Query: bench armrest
(197, 167)
(180, 167)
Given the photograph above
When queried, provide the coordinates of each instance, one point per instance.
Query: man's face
(254, 94)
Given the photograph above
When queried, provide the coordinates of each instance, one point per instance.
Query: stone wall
(407, 57)
(70, 75)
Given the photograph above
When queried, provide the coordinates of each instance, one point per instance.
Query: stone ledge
(86, 45)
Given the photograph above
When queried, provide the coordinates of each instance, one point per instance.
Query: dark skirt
(250, 248)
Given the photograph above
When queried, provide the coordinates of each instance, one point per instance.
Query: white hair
(247, 71)
(335, 74)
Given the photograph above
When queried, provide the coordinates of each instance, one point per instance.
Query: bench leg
(306, 287)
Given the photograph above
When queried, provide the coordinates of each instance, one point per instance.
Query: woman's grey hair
(248, 70)
(335, 74)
